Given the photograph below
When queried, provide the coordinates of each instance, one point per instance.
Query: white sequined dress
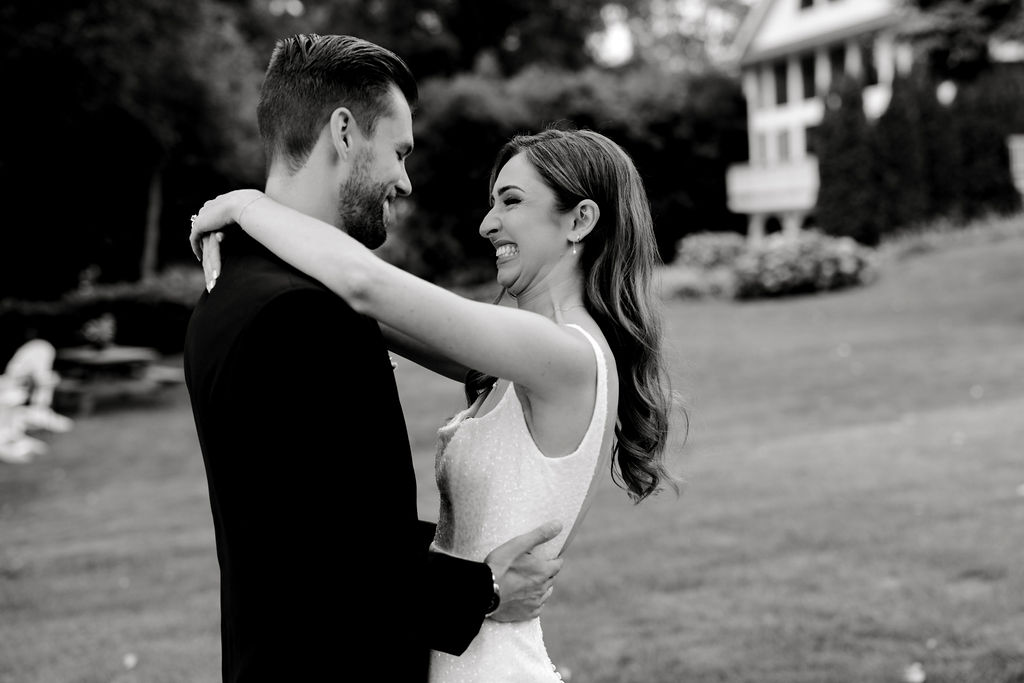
(495, 484)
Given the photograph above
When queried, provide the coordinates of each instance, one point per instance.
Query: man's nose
(404, 186)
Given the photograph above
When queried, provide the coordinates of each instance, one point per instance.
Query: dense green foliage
(955, 35)
(126, 115)
(901, 158)
(445, 37)
(921, 159)
(847, 198)
(682, 133)
(987, 111)
(113, 106)
(711, 249)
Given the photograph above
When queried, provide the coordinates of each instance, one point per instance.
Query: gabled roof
(748, 29)
(742, 52)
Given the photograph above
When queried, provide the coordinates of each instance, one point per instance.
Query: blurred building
(789, 52)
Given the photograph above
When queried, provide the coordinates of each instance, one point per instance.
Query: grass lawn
(854, 504)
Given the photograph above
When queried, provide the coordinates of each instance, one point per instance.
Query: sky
(704, 18)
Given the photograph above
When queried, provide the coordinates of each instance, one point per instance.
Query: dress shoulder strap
(597, 419)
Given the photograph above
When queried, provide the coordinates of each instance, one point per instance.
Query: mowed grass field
(854, 504)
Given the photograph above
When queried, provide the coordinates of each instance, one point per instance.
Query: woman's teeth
(506, 250)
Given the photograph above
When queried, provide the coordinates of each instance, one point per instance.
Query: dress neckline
(469, 416)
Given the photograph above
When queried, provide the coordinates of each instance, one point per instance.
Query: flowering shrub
(808, 262)
(688, 282)
(710, 249)
(724, 265)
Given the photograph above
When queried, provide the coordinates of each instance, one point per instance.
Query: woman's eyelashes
(507, 200)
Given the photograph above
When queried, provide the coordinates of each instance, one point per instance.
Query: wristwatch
(495, 602)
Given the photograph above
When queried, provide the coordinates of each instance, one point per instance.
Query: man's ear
(584, 219)
(342, 127)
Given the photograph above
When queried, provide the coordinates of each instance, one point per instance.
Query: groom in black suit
(325, 569)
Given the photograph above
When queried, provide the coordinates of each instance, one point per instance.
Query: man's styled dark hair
(310, 76)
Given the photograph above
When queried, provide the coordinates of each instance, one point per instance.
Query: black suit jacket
(312, 487)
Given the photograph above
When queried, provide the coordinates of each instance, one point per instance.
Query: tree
(847, 196)
(986, 182)
(954, 34)
(122, 95)
(939, 130)
(685, 35)
(901, 158)
(681, 131)
(446, 37)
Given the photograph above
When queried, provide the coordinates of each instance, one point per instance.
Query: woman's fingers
(195, 239)
(211, 258)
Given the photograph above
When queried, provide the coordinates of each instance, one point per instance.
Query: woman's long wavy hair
(617, 261)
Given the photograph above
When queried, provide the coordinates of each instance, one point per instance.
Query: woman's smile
(506, 252)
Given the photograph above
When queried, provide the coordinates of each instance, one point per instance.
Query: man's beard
(361, 205)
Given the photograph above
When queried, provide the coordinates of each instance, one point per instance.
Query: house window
(811, 140)
(837, 62)
(807, 69)
(784, 146)
(780, 82)
(761, 150)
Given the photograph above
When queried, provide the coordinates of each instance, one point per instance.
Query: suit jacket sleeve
(325, 401)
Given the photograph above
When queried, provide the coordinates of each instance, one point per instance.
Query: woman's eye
(511, 200)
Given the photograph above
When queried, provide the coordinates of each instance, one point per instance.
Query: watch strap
(495, 602)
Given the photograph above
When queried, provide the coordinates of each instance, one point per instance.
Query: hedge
(152, 313)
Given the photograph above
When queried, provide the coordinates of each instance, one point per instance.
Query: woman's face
(529, 233)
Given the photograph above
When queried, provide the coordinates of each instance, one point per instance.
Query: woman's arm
(421, 354)
(521, 346)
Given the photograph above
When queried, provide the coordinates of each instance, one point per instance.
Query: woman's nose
(489, 225)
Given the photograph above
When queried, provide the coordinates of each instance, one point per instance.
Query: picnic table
(90, 374)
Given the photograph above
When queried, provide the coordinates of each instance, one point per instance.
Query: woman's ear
(584, 219)
(342, 127)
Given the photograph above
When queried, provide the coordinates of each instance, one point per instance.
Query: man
(307, 457)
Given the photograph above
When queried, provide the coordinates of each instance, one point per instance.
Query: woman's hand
(211, 257)
(206, 233)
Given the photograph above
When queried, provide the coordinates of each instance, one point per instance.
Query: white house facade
(789, 52)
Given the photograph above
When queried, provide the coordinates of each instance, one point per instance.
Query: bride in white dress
(582, 387)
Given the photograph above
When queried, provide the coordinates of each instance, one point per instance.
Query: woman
(580, 377)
